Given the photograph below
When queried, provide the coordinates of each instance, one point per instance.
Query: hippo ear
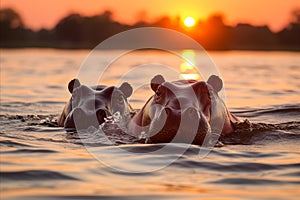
(157, 81)
(215, 82)
(73, 84)
(126, 89)
(202, 92)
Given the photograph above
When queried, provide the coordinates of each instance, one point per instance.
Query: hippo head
(89, 106)
(183, 111)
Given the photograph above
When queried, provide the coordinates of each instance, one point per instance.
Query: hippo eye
(120, 99)
(158, 96)
(75, 100)
(158, 93)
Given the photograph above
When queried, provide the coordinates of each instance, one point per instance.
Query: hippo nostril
(78, 112)
(191, 112)
(101, 115)
(168, 111)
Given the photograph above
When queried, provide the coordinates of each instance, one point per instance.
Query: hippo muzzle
(85, 118)
(188, 126)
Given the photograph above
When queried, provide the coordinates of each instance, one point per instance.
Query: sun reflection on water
(188, 69)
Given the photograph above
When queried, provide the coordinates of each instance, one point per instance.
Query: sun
(189, 22)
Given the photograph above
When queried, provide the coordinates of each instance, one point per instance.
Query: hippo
(89, 106)
(183, 111)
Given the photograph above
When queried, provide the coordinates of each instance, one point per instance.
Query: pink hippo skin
(187, 109)
(91, 105)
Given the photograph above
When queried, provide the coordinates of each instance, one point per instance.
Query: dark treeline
(76, 31)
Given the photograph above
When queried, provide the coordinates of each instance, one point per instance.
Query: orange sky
(46, 13)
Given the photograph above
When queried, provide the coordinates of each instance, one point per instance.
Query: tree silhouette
(77, 31)
(213, 33)
(289, 36)
(69, 28)
(11, 25)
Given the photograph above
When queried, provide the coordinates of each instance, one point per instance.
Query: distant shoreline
(86, 32)
(6, 47)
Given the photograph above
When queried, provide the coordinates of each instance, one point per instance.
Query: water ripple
(26, 151)
(34, 175)
(257, 182)
(9, 143)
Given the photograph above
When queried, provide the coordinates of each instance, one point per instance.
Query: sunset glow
(45, 14)
(189, 21)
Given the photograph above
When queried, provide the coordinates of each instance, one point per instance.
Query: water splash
(116, 120)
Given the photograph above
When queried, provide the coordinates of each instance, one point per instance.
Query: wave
(247, 167)
(107, 197)
(257, 182)
(29, 151)
(31, 120)
(33, 175)
(24, 104)
(9, 143)
(246, 132)
(286, 108)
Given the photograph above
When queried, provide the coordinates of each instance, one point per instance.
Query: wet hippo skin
(89, 106)
(183, 111)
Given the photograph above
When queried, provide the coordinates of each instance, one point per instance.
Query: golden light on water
(188, 67)
(190, 76)
(189, 21)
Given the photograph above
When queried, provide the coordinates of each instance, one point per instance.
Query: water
(42, 161)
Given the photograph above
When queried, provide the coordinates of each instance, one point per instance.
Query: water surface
(41, 161)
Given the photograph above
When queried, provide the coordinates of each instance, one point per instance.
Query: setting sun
(189, 21)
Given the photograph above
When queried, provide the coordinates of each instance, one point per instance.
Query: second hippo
(183, 111)
(89, 106)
